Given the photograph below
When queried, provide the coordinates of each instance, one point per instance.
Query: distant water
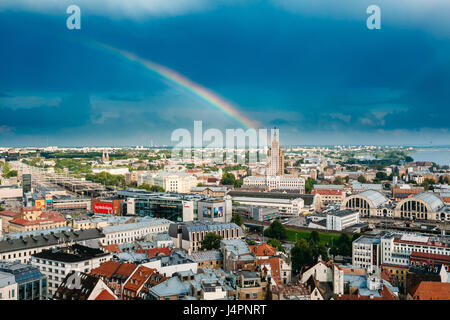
(440, 156)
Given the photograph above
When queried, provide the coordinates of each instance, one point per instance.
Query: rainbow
(178, 79)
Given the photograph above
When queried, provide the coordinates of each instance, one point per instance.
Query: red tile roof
(327, 192)
(30, 209)
(125, 269)
(139, 277)
(9, 213)
(105, 295)
(106, 269)
(112, 248)
(430, 290)
(44, 217)
(155, 252)
(274, 268)
(263, 250)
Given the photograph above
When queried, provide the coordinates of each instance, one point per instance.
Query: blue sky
(313, 70)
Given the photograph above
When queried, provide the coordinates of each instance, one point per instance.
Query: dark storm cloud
(73, 111)
(308, 69)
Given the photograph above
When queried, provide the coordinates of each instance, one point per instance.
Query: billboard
(218, 212)
(100, 207)
(39, 204)
(206, 212)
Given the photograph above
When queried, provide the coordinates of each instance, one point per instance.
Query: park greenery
(151, 188)
(307, 251)
(107, 179)
(276, 230)
(211, 241)
(7, 171)
(309, 184)
(237, 218)
(276, 244)
(230, 180)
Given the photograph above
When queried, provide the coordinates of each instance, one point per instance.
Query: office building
(22, 248)
(26, 183)
(275, 159)
(215, 209)
(189, 235)
(31, 283)
(8, 286)
(59, 262)
(366, 252)
(132, 231)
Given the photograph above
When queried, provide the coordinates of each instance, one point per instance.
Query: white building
(129, 232)
(57, 263)
(287, 207)
(342, 219)
(10, 192)
(276, 182)
(8, 286)
(179, 183)
(119, 170)
(366, 252)
(396, 247)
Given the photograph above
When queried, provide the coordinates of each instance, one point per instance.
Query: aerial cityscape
(189, 151)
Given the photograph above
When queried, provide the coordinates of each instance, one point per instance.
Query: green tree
(228, 179)
(344, 245)
(11, 173)
(151, 188)
(276, 244)
(237, 218)
(211, 241)
(428, 184)
(408, 159)
(302, 255)
(362, 179)
(319, 250)
(381, 175)
(238, 183)
(314, 237)
(338, 180)
(309, 184)
(276, 230)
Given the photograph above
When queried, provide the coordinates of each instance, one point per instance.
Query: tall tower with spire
(275, 164)
(105, 156)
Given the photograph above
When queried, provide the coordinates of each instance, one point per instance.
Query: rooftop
(44, 240)
(377, 198)
(71, 254)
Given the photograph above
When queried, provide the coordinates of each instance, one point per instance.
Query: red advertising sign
(103, 208)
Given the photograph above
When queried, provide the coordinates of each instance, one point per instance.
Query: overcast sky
(311, 68)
